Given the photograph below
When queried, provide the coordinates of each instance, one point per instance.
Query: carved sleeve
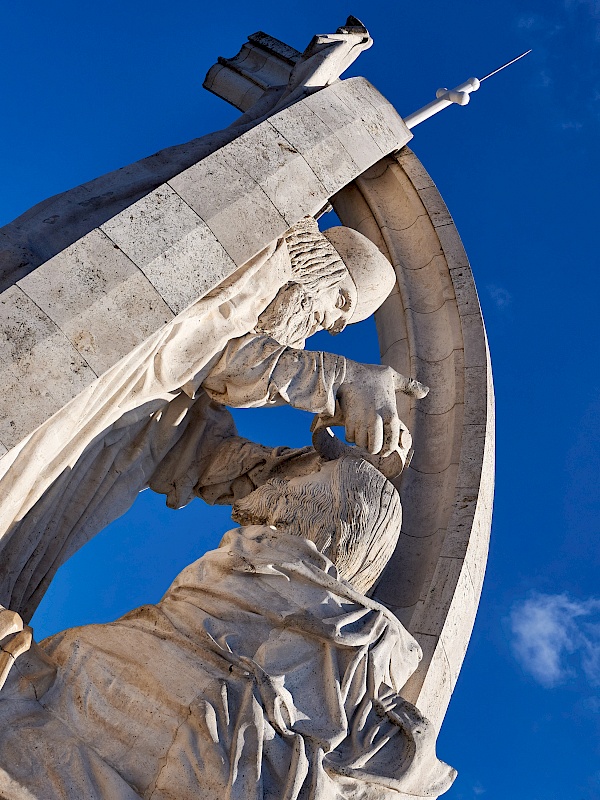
(257, 371)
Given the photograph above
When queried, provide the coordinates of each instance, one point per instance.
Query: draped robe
(259, 676)
(84, 466)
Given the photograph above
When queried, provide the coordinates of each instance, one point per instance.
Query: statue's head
(371, 273)
(337, 277)
(348, 509)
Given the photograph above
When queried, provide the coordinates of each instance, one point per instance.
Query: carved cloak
(259, 676)
(104, 418)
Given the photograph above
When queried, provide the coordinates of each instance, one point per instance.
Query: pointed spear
(459, 96)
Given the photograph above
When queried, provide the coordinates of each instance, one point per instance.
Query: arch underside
(431, 328)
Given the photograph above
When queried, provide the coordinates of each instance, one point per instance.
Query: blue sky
(88, 88)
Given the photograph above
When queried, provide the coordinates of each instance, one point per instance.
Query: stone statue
(267, 670)
(158, 419)
(147, 419)
(264, 672)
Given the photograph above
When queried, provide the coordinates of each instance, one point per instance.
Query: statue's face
(281, 502)
(334, 307)
(294, 315)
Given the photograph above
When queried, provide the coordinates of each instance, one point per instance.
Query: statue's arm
(207, 457)
(239, 466)
(257, 371)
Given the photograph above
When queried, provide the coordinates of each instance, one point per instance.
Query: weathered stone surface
(416, 172)
(222, 193)
(442, 432)
(189, 269)
(430, 334)
(416, 247)
(427, 499)
(466, 293)
(436, 208)
(98, 298)
(434, 694)
(189, 235)
(34, 354)
(447, 492)
(152, 226)
(413, 565)
(322, 149)
(391, 323)
(280, 170)
(423, 288)
(446, 379)
(339, 111)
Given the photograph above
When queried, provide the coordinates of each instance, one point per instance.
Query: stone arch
(431, 328)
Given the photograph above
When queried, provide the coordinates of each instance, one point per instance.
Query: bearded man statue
(265, 673)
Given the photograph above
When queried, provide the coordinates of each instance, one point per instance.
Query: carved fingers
(393, 436)
(329, 447)
(15, 639)
(410, 386)
(375, 435)
(367, 401)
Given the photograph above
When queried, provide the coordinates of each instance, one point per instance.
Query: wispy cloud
(591, 705)
(501, 296)
(592, 6)
(564, 67)
(571, 125)
(555, 636)
(478, 790)
(529, 22)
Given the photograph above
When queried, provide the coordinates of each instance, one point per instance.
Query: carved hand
(367, 400)
(11, 625)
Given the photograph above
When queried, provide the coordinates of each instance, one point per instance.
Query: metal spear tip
(504, 66)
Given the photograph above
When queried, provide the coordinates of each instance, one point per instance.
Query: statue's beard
(289, 318)
(307, 512)
(263, 506)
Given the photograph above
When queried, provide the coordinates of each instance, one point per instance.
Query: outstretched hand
(409, 386)
(367, 401)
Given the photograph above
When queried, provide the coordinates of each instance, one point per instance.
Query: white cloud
(501, 296)
(548, 629)
(563, 69)
(478, 789)
(571, 125)
(528, 21)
